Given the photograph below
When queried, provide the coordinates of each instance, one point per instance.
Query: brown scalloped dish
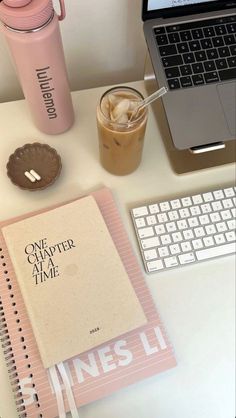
(34, 166)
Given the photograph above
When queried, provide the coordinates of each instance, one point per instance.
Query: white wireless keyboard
(186, 230)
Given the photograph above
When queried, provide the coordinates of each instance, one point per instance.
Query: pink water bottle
(32, 31)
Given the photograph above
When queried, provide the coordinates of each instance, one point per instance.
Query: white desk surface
(196, 302)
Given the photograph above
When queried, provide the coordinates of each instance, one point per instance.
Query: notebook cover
(75, 288)
(94, 374)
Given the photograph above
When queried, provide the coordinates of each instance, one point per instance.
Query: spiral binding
(8, 354)
(10, 363)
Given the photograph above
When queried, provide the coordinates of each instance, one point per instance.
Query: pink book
(96, 373)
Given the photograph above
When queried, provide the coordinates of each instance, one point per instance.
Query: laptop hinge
(207, 148)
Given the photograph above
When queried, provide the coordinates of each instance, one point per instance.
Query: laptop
(192, 45)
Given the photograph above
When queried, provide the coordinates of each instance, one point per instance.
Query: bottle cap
(25, 14)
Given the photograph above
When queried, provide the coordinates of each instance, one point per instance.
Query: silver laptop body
(200, 107)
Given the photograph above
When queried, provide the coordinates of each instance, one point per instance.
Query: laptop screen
(165, 8)
(164, 4)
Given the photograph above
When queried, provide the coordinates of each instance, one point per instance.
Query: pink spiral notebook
(94, 374)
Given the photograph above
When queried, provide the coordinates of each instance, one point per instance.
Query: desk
(196, 302)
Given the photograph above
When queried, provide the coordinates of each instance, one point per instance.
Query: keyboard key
(220, 30)
(197, 68)
(185, 70)
(218, 41)
(227, 74)
(188, 58)
(227, 203)
(188, 234)
(232, 62)
(233, 49)
(229, 192)
(186, 35)
(172, 72)
(195, 210)
(173, 215)
(194, 46)
(221, 64)
(161, 39)
(165, 239)
(206, 43)
(193, 222)
(210, 229)
(211, 77)
(167, 50)
(174, 249)
(215, 251)
(150, 254)
(198, 79)
(186, 81)
(186, 201)
(150, 243)
(162, 217)
(164, 206)
(197, 244)
(209, 31)
(229, 39)
(155, 265)
(151, 220)
(171, 262)
(231, 27)
(146, 232)
(219, 239)
(163, 252)
(140, 222)
(208, 197)
(159, 30)
(160, 229)
(209, 66)
(172, 61)
(208, 241)
(173, 38)
(197, 199)
(225, 214)
(200, 56)
(186, 246)
(173, 83)
(141, 211)
(197, 33)
(175, 204)
(177, 237)
(186, 258)
(230, 236)
(183, 47)
(182, 224)
(171, 226)
(154, 208)
(224, 52)
(212, 53)
(218, 194)
(184, 213)
(221, 227)
(199, 232)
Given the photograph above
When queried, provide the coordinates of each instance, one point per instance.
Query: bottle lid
(25, 14)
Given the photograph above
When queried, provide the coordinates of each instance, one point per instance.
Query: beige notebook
(74, 285)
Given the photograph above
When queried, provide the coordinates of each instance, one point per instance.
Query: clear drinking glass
(120, 138)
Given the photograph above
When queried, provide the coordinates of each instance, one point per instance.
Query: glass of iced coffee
(121, 130)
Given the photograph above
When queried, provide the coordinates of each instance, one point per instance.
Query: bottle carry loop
(63, 10)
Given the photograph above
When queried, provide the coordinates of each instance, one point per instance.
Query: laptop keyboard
(198, 53)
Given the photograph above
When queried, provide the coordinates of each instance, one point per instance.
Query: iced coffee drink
(121, 130)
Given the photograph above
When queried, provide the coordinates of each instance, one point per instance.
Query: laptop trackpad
(227, 96)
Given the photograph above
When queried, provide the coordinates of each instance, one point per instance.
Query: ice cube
(120, 109)
(105, 107)
(123, 119)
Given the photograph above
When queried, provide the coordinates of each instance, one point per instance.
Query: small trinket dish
(34, 166)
